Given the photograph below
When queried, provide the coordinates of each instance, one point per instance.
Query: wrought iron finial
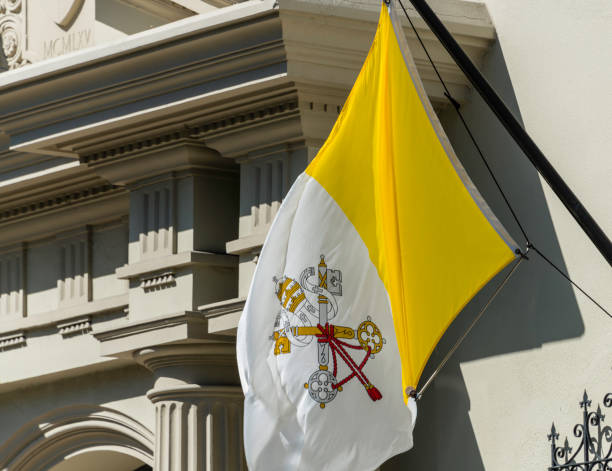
(566, 448)
(594, 452)
(553, 435)
(586, 402)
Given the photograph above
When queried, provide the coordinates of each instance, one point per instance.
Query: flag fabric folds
(376, 248)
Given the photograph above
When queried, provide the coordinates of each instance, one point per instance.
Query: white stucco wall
(558, 57)
(541, 343)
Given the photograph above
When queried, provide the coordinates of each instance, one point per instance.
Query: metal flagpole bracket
(522, 254)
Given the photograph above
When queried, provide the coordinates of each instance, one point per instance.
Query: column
(198, 428)
(198, 406)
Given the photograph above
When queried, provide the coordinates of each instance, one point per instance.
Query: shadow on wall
(102, 387)
(125, 18)
(535, 307)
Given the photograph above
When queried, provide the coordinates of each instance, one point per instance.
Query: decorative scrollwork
(12, 32)
(595, 450)
(10, 6)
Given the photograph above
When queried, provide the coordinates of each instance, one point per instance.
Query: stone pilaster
(183, 209)
(265, 178)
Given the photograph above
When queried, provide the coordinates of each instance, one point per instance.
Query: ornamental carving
(12, 32)
(593, 452)
(10, 6)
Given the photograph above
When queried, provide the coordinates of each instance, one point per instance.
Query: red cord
(336, 346)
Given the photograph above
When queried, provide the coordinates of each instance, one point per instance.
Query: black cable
(564, 275)
(456, 105)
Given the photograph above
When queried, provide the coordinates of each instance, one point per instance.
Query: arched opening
(83, 437)
(100, 461)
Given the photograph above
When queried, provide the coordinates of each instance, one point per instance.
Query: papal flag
(376, 248)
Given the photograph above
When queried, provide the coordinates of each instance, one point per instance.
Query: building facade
(145, 147)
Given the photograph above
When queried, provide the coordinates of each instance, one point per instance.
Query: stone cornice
(315, 59)
(28, 182)
(57, 201)
(209, 119)
(43, 217)
(39, 203)
(152, 68)
(208, 130)
(214, 75)
(172, 154)
(152, 39)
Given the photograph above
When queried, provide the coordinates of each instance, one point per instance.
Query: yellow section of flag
(388, 164)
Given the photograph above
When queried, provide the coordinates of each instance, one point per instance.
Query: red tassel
(373, 392)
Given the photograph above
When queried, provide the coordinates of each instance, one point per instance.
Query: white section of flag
(285, 428)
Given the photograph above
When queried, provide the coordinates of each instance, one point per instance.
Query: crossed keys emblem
(299, 322)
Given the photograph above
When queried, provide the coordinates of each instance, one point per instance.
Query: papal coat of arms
(306, 308)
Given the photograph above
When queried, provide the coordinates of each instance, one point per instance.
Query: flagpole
(517, 132)
(419, 394)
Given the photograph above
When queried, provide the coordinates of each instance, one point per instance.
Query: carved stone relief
(12, 32)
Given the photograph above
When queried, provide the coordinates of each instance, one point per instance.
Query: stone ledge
(247, 243)
(181, 327)
(66, 315)
(179, 260)
(223, 317)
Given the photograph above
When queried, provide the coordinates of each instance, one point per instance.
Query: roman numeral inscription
(67, 43)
